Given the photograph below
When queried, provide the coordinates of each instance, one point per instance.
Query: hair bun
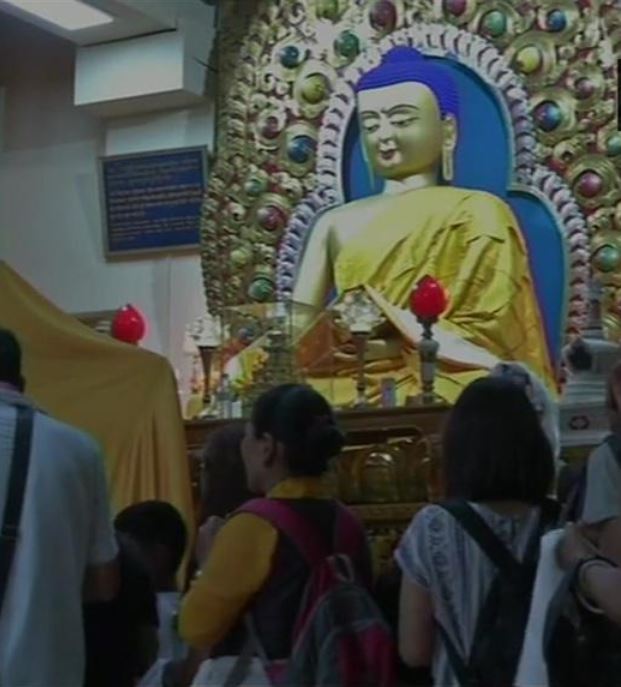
(325, 441)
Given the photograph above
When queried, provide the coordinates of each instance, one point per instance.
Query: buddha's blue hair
(408, 65)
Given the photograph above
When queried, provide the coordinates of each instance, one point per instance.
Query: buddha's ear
(449, 131)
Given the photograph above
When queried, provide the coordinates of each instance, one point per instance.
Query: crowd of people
(280, 585)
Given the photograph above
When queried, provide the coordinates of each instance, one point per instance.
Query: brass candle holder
(207, 333)
(359, 313)
(206, 354)
(428, 352)
(427, 302)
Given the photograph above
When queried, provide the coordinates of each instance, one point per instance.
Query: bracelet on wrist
(581, 585)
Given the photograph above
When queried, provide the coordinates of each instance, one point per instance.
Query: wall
(50, 221)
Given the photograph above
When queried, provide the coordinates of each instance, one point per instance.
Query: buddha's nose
(385, 132)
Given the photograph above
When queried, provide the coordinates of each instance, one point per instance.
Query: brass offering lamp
(280, 366)
(361, 316)
(208, 335)
(427, 302)
(273, 341)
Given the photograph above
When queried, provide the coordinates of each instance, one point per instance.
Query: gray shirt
(603, 489)
(65, 527)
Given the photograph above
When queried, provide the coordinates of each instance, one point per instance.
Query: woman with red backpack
(293, 568)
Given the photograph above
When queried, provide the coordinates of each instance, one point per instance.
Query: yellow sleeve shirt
(238, 566)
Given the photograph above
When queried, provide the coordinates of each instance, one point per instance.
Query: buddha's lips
(388, 154)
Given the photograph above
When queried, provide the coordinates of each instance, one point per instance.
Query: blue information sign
(152, 201)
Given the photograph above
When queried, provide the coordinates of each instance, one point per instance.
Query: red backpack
(340, 638)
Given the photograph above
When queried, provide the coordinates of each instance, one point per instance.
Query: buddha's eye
(370, 127)
(403, 121)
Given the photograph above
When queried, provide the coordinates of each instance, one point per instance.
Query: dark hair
(152, 523)
(302, 420)
(494, 447)
(224, 488)
(10, 359)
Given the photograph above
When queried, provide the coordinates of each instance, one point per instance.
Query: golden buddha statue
(421, 225)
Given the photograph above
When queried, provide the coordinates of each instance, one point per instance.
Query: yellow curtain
(122, 395)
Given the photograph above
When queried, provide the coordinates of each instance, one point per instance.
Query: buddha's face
(403, 130)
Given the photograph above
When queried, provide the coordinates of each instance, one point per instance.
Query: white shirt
(602, 500)
(171, 646)
(437, 554)
(65, 527)
(532, 669)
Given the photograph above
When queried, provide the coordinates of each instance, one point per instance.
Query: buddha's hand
(376, 349)
(454, 348)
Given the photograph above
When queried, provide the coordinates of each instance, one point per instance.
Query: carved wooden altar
(388, 469)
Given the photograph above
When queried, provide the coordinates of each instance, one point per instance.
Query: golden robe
(471, 242)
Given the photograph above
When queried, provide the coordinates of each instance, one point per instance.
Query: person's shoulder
(430, 517)
(245, 523)
(243, 534)
(54, 431)
(607, 454)
(432, 510)
(426, 534)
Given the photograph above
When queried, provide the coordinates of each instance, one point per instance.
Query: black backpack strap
(491, 545)
(18, 475)
(507, 565)
(456, 661)
(484, 536)
(550, 513)
(497, 553)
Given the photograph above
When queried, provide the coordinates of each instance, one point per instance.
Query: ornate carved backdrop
(280, 64)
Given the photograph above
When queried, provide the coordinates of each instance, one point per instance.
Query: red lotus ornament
(429, 299)
(129, 325)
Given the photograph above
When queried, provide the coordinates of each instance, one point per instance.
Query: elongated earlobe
(448, 147)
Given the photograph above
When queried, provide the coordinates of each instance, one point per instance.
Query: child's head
(223, 483)
(160, 533)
